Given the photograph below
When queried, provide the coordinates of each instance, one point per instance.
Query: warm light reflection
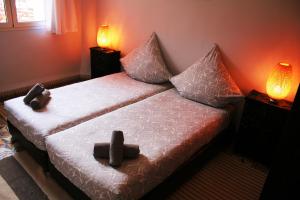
(284, 64)
(103, 36)
(279, 81)
(115, 39)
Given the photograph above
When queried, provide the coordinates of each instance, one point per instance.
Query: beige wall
(30, 56)
(253, 34)
(89, 33)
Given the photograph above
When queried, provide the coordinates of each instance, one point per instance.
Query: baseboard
(84, 77)
(49, 84)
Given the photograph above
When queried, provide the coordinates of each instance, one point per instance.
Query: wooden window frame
(7, 9)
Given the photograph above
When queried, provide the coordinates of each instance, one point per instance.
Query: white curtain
(61, 16)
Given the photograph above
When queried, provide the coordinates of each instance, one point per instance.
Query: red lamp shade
(279, 81)
(103, 38)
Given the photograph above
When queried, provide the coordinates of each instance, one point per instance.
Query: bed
(169, 129)
(71, 105)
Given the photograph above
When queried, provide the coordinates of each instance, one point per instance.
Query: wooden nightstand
(261, 127)
(104, 62)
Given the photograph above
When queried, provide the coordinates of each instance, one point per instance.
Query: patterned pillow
(146, 63)
(208, 81)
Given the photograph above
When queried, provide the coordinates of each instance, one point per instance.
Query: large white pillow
(208, 81)
(146, 63)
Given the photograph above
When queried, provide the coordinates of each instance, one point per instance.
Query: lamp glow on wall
(103, 37)
(279, 81)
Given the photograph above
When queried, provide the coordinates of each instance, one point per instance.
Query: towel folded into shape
(116, 148)
(35, 91)
(41, 100)
(101, 150)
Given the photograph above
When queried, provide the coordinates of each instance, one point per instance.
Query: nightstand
(104, 61)
(261, 127)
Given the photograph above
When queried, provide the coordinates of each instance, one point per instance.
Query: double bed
(171, 126)
(169, 129)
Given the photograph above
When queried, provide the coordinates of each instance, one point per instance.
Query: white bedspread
(76, 103)
(168, 128)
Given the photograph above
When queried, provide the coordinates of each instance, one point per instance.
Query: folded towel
(35, 91)
(131, 151)
(101, 150)
(116, 148)
(41, 100)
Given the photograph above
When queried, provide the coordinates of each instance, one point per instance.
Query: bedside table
(261, 127)
(104, 61)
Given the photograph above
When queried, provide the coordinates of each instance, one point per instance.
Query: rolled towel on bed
(101, 150)
(131, 151)
(116, 148)
(41, 100)
(35, 91)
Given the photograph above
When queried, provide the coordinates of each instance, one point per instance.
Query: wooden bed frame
(182, 174)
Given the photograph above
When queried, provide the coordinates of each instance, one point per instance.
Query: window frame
(7, 9)
(12, 19)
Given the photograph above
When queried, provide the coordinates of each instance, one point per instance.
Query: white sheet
(168, 128)
(76, 103)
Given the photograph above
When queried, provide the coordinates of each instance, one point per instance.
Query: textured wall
(253, 34)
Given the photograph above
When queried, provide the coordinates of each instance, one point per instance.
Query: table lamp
(103, 38)
(279, 81)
